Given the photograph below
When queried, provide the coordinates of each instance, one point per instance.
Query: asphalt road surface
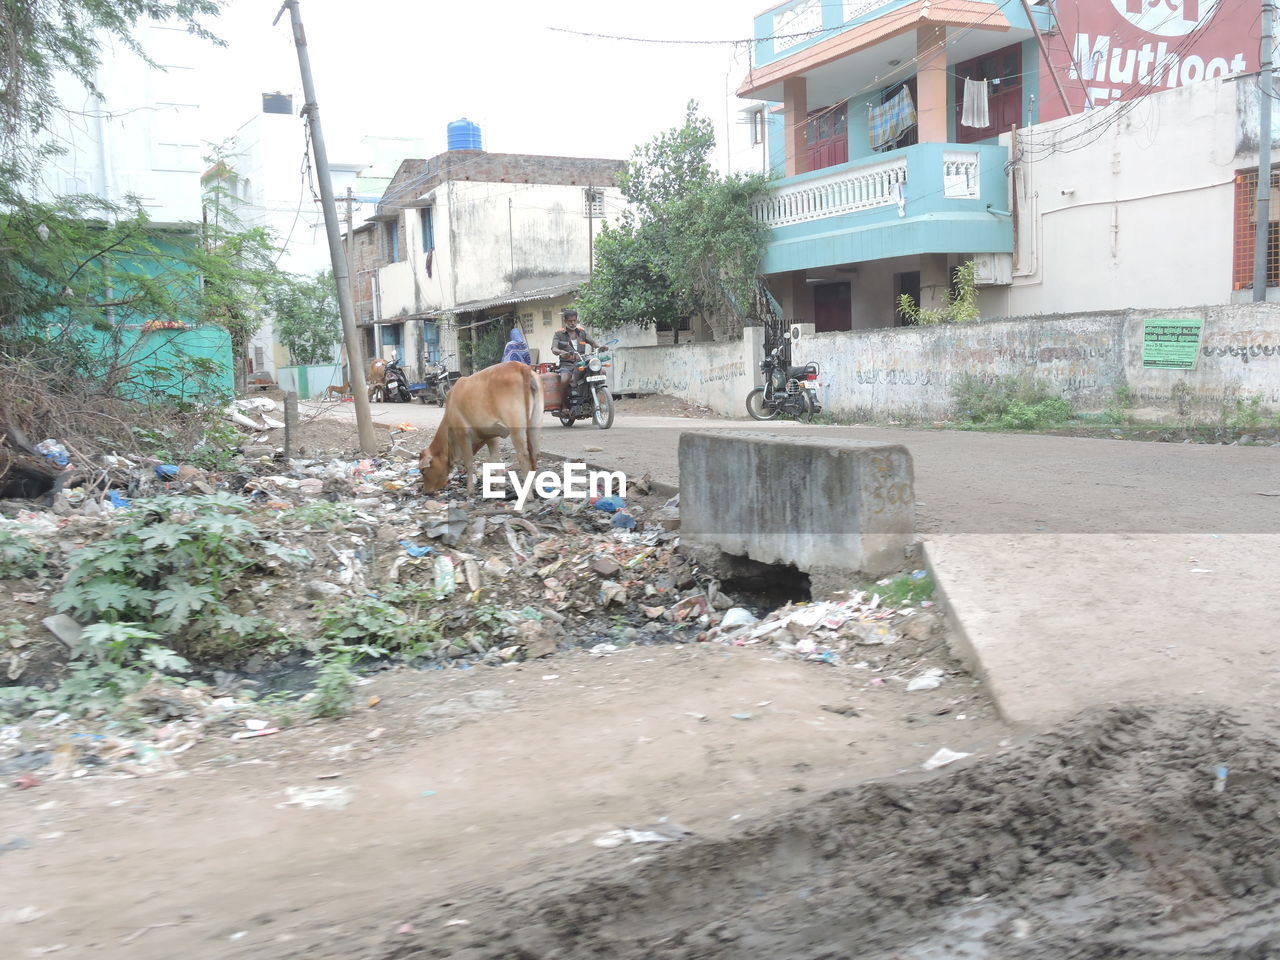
(985, 483)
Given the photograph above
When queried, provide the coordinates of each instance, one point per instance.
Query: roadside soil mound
(1105, 839)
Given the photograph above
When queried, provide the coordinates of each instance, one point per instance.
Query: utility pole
(349, 220)
(1262, 235)
(341, 275)
(591, 231)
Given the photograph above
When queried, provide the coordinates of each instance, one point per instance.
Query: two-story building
(884, 123)
(467, 242)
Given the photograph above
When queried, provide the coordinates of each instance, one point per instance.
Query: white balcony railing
(845, 191)
(960, 173)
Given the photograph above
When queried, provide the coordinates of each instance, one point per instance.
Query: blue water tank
(465, 135)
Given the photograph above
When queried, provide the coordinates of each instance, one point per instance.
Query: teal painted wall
(933, 223)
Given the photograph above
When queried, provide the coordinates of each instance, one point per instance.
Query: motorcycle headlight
(593, 365)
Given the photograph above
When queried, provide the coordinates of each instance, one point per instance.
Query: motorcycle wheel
(756, 406)
(603, 413)
(443, 394)
(566, 419)
(805, 410)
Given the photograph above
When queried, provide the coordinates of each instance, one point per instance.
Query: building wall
(152, 144)
(516, 238)
(911, 372)
(1125, 207)
(715, 374)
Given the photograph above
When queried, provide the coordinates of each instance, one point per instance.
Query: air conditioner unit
(993, 269)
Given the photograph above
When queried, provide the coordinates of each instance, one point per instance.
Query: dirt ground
(674, 801)
(455, 781)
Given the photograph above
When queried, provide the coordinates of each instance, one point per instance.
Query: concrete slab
(831, 508)
(1056, 623)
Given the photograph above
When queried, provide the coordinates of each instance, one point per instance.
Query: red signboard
(1110, 50)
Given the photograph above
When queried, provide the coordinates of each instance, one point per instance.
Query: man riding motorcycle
(568, 344)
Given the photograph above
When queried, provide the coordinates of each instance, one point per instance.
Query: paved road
(968, 482)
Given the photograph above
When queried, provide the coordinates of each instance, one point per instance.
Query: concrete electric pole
(1266, 77)
(341, 274)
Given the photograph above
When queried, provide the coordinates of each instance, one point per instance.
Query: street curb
(656, 486)
(959, 641)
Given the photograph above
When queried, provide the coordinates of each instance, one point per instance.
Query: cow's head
(434, 470)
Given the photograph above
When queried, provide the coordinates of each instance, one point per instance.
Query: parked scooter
(787, 390)
(439, 380)
(588, 393)
(395, 388)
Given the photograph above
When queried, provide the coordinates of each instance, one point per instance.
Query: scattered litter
(610, 504)
(741, 716)
(931, 679)
(1200, 570)
(249, 734)
(737, 617)
(330, 798)
(429, 793)
(942, 758)
(456, 922)
(1220, 780)
(660, 832)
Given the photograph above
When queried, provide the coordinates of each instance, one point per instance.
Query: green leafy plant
(21, 556)
(392, 623)
(334, 685)
(1009, 403)
(89, 688)
(961, 304)
(1240, 415)
(905, 589)
(168, 570)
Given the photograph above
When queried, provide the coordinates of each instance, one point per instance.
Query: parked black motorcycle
(439, 380)
(589, 395)
(395, 388)
(787, 390)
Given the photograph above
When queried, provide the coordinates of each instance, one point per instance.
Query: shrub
(1010, 403)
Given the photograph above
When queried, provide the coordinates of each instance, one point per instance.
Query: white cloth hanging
(975, 112)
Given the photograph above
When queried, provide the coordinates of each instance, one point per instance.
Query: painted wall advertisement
(1112, 50)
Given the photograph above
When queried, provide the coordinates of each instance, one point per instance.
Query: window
(428, 228)
(393, 241)
(756, 120)
(1246, 220)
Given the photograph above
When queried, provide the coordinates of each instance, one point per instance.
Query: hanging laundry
(889, 121)
(975, 112)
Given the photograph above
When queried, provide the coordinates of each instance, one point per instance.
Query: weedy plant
(21, 557)
(1009, 403)
(167, 571)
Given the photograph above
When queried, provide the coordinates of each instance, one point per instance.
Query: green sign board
(1171, 344)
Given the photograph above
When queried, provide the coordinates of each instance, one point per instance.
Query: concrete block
(833, 509)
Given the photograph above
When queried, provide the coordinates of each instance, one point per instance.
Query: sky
(406, 68)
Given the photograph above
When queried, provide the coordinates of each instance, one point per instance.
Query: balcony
(927, 198)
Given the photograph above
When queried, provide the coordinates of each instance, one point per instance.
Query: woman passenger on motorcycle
(517, 348)
(568, 344)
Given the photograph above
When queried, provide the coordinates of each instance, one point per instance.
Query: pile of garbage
(826, 630)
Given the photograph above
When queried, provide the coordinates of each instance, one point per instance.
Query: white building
(143, 136)
(467, 239)
(1139, 204)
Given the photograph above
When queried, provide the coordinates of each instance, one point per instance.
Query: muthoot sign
(574, 481)
(1167, 18)
(1114, 50)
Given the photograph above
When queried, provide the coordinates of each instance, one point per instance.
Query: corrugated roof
(529, 296)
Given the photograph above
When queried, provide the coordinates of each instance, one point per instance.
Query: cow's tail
(533, 422)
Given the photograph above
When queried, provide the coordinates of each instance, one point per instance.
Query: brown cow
(504, 400)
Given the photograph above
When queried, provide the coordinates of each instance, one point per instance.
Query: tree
(687, 243)
(306, 316)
